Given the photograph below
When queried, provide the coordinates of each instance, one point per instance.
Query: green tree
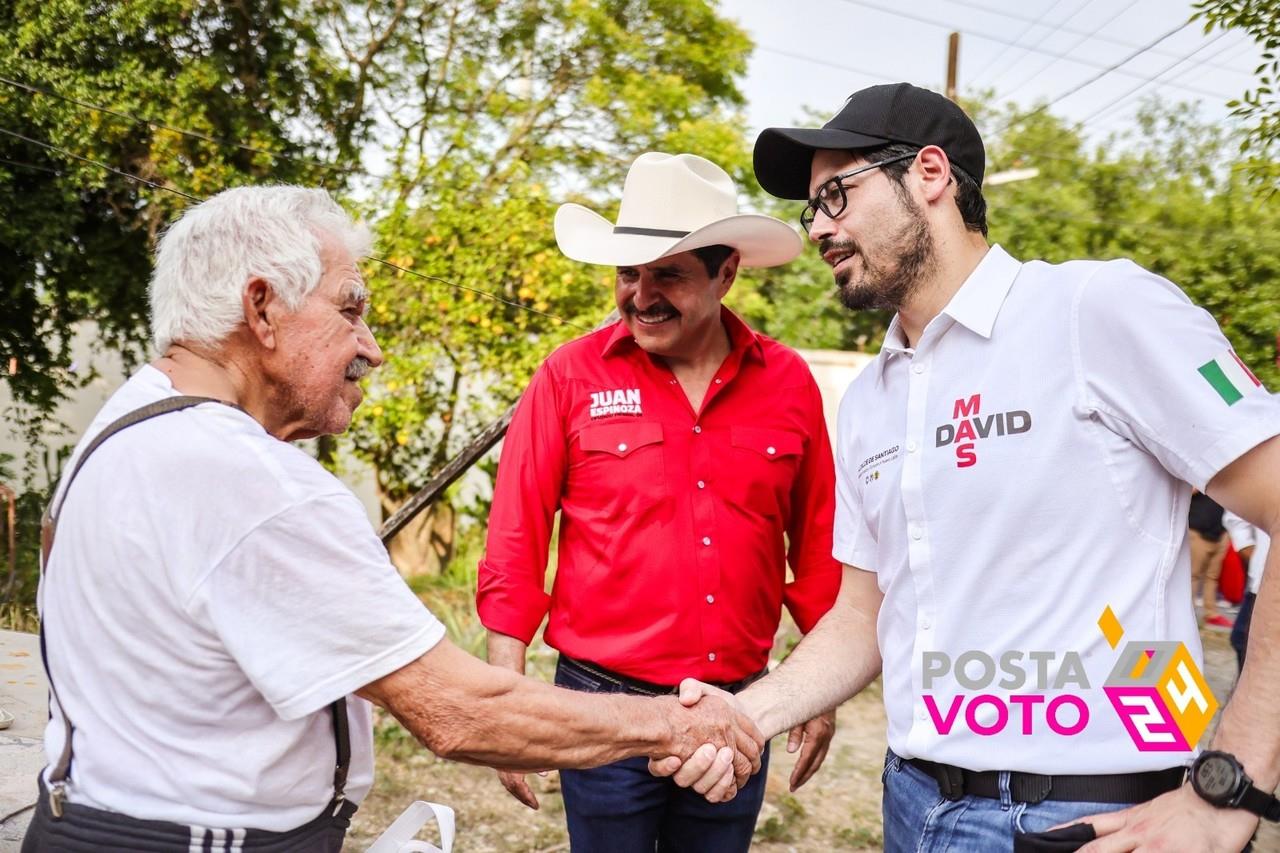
(251, 78)
(493, 110)
(1170, 193)
(1259, 106)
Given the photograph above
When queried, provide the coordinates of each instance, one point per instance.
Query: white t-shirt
(211, 591)
(1019, 471)
(1245, 535)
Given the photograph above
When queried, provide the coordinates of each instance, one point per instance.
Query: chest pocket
(766, 462)
(621, 464)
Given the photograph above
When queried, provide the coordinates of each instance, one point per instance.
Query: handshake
(708, 740)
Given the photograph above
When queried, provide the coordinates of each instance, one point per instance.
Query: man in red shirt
(690, 463)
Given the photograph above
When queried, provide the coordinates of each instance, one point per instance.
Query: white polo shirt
(1020, 470)
(1245, 535)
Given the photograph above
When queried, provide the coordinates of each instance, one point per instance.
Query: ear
(934, 170)
(728, 274)
(261, 306)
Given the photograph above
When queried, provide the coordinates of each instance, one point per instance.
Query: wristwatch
(1220, 781)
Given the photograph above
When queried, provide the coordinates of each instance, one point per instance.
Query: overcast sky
(815, 52)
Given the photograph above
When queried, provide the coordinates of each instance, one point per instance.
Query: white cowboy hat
(672, 203)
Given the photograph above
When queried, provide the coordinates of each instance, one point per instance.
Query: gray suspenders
(62, 768)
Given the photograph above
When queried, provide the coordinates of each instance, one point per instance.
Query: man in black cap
(1032, 675)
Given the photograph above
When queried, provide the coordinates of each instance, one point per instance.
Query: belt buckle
(1030, 787)
(57, 793)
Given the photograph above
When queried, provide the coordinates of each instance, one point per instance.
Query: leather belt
(956, 782)
(647, 688)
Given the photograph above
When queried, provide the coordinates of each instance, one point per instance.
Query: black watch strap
(1261, 803)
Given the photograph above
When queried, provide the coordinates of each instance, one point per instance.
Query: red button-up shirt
(676, 526)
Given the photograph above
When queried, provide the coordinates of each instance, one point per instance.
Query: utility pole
(953, 60)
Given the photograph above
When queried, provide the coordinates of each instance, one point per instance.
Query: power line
(1092, 35)
(1017, 40)
(478, 291)
(194, 134)
(1186, 71)
(1095, 78)
(1046, 66)
(1068, 57)
(1114, 101)
(876, 75)
(99, 164)
(31, 166)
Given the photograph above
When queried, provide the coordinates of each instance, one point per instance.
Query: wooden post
(953, 60)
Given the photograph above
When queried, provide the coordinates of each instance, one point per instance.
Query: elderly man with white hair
(215, 598)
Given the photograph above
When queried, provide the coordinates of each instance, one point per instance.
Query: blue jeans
(620, 808)
(917, 818)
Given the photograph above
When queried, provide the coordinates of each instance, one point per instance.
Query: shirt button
(711, 599)
(920, 715)
(917, 533)
(706, 540)
(719, 381)
(622, 448)
(711, 656)
(925, 623)
(919, 368)
(697, 429)
(701, 484)
(771, 450)
(911, 447)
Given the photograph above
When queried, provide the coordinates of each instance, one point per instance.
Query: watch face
(1216, 778)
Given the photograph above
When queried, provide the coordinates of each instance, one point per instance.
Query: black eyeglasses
(831, 197)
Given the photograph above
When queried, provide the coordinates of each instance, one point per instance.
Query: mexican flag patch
(1228, 376)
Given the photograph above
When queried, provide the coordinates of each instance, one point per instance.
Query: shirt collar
(975, 305)
(978, 301)
(741, 337)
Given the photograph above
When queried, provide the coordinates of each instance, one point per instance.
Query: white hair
(204, 260)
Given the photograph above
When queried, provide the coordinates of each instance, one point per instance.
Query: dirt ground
(838, 810)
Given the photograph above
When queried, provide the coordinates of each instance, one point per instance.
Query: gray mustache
(358, 368)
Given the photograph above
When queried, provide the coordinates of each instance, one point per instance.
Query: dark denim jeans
(620, 808)
(918, 818)
(1240, 631)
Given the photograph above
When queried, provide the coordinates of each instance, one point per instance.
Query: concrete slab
(24, 694)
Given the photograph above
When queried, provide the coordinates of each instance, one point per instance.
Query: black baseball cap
(879, 115)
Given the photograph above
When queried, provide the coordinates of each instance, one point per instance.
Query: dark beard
(886, 287)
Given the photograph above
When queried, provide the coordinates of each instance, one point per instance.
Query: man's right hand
(517, 786)
(707, 721)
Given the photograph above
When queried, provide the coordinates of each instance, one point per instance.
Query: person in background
(1208, 541)
(1253, 545)
(1053, 412)
(218, 613)
(688, 458)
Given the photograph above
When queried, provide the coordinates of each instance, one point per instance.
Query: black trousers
(83, 829)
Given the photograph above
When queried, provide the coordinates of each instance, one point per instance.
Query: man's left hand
(812, 739)
(1178, 820)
